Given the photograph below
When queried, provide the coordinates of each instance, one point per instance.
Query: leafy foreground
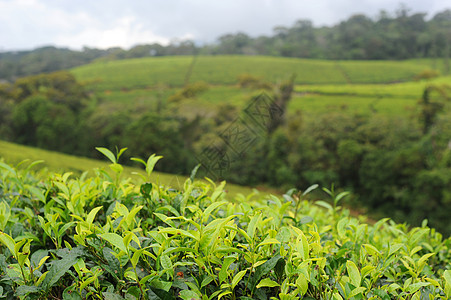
(101, 237)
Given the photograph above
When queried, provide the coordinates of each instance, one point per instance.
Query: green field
(389, 99)
(385, 87)
(223, 70)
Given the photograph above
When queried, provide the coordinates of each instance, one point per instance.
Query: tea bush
(103, 237)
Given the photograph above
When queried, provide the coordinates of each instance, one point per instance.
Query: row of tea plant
(104, 237)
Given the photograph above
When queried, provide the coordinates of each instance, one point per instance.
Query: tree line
(401, 35)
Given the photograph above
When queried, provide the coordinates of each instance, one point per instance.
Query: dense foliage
(403, 35)
(66, 237)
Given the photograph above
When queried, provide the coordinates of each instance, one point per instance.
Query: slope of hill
(224, 70)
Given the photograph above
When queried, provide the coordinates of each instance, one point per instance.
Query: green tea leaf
(194, 172)
(412, 288)
(264, 269)
(268, 241)
(341, 227)
(356, 291)
(112, 296)
(113, 265)
(189, 295)
(59, 268)
(62, 187)
(225, 266)
(206, 281)
(309, 189)
(340, 196)
(210, 209)
(135, 258)
(92, 214)
(38, 258)
(151, 161)
(422, 261)
(353, 273)
(266, 282)
(237, 278)
(36, 192)
(8, 242)
(8, 168)
(131, 216)
(218, 191)
(447, 277)
(24, 290)
(253, 225)
(166, 262)
(302, 283)
(367, 270)
(117, 168)
(107, 153)
(417, 236)
(323, 204)
(395, 248)
(371, 250)
(114, 239)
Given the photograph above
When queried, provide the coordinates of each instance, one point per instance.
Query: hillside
(224, 70)
(358, 86)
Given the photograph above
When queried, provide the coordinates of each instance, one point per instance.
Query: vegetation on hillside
(68, 237)
(386, 159)
(148, 73)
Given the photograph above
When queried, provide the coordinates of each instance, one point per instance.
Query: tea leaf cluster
(66, 237)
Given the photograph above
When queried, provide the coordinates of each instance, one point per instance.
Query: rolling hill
(223, 70)
(387, 87)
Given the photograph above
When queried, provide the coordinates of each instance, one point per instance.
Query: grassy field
(58, 162)
(392, 99)
(223, 70)
(385, 87)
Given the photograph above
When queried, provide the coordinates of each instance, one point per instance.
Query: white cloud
(32, 23)
(125, 32)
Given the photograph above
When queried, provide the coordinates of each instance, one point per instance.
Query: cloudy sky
(27, 24)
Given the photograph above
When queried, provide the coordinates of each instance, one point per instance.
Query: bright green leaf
(114, 239)
(266, 282)
(302, 283)
(8, 242)
(353, 273)
(107, 153)
(92, 214)
(236, 279)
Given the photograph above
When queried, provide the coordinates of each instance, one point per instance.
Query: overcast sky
(27, 24)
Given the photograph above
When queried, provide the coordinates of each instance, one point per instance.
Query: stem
(211, 274)
(250, 272)
(298, 200)
(23, 274)
(139, 284)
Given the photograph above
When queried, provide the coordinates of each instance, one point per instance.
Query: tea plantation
(105, 237)
(387, 87)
